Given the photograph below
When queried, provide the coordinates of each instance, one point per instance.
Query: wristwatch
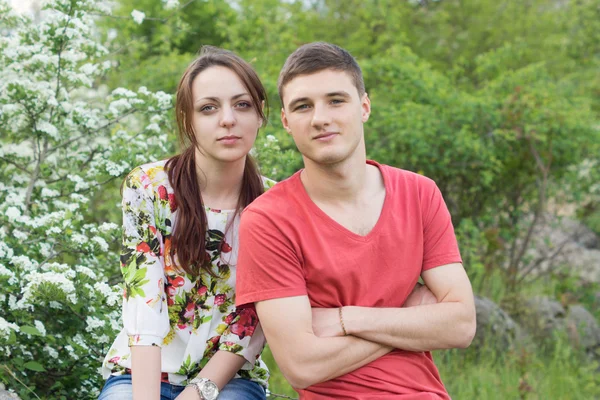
(206, 389)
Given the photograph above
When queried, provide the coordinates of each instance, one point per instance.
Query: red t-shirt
(290, 247)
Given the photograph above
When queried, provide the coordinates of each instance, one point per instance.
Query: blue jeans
(119, 388)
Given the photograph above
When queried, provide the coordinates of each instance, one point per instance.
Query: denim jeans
(119, 388)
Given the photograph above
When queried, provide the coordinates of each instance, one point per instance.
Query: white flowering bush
(61, 142)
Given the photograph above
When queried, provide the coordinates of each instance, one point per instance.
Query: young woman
(183, 337)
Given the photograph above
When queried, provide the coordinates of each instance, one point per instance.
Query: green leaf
(34, 366)
(30, 330)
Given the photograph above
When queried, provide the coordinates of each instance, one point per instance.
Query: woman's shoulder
(151, 174)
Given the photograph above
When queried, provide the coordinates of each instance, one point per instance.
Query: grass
(560, 373)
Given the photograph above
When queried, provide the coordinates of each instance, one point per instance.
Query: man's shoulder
(277, 200)
(413, 180)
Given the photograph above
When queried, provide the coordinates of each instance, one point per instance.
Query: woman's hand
(188, 394)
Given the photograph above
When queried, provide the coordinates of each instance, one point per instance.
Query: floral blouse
(190, 319)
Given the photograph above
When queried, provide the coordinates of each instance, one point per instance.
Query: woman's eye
(208, 108)
(243, 104)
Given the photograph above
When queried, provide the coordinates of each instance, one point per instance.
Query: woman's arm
(220, 369)
(145, 372)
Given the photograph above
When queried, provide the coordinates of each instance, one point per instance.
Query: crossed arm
(309, 346)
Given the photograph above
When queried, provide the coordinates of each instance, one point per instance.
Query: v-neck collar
(304, 197)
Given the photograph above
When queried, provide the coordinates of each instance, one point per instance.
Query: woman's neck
(220, 182)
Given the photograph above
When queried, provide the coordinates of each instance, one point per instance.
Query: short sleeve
(243, 336)
(439, 241)
(268, 265)
(145, 313)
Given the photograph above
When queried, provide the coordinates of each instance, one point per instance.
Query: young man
(330, 255)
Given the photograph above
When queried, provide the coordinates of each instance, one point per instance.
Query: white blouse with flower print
(190, 319)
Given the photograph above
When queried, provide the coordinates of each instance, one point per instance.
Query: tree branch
(19, 166)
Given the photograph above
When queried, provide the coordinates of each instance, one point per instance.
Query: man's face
(325, 115)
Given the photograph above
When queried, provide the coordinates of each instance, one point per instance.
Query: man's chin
(326, 159)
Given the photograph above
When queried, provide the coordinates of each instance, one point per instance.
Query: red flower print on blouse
(189, 311)
(214, 340)
(143, 247)
(172, 285)
(202, 290)
(246, 324)
(225, 248)
(220, 299)
(177, 281)
(230, 318)
(162, 192)
(172, 202)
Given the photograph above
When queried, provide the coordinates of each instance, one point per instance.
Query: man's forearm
(313, 360)
(421, 328)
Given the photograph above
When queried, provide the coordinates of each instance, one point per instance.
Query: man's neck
(220, 182)
(334, 183)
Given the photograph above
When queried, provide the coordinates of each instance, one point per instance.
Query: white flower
(19, 235)
(124, 93)
(271, 138)
(13, 213)
(55, 304)
(51, 352)
(50, 193)
(40, 327)
(79, 238)
(89, 69)
(5, 251)
(138, 16)
(107, 227)
(102, 339)
(12, 302)
(12, 279)
(85, 271)
(153, 128)
(101, 242)
(94, 323)
(47, 127)
(24, 262)
(6, 327)
(71, 351)
(164, 99)
(171, 4)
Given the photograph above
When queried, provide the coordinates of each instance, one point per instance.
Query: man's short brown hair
(318, 56)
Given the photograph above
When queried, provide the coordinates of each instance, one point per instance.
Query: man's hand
(420, 295)
(326, 321)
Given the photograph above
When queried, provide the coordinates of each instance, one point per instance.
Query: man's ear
(284, 121)
(365, 107)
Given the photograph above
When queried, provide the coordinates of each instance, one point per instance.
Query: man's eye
(337, 101)
(301, 107)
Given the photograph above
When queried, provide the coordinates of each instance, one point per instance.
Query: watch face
(210, 391)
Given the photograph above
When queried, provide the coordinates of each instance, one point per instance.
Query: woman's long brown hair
(188, 238)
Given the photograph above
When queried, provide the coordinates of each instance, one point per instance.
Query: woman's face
(225, 121)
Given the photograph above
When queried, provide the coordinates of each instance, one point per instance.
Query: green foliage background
(497, 101)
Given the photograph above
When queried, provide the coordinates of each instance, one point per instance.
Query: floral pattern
(189, 318)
